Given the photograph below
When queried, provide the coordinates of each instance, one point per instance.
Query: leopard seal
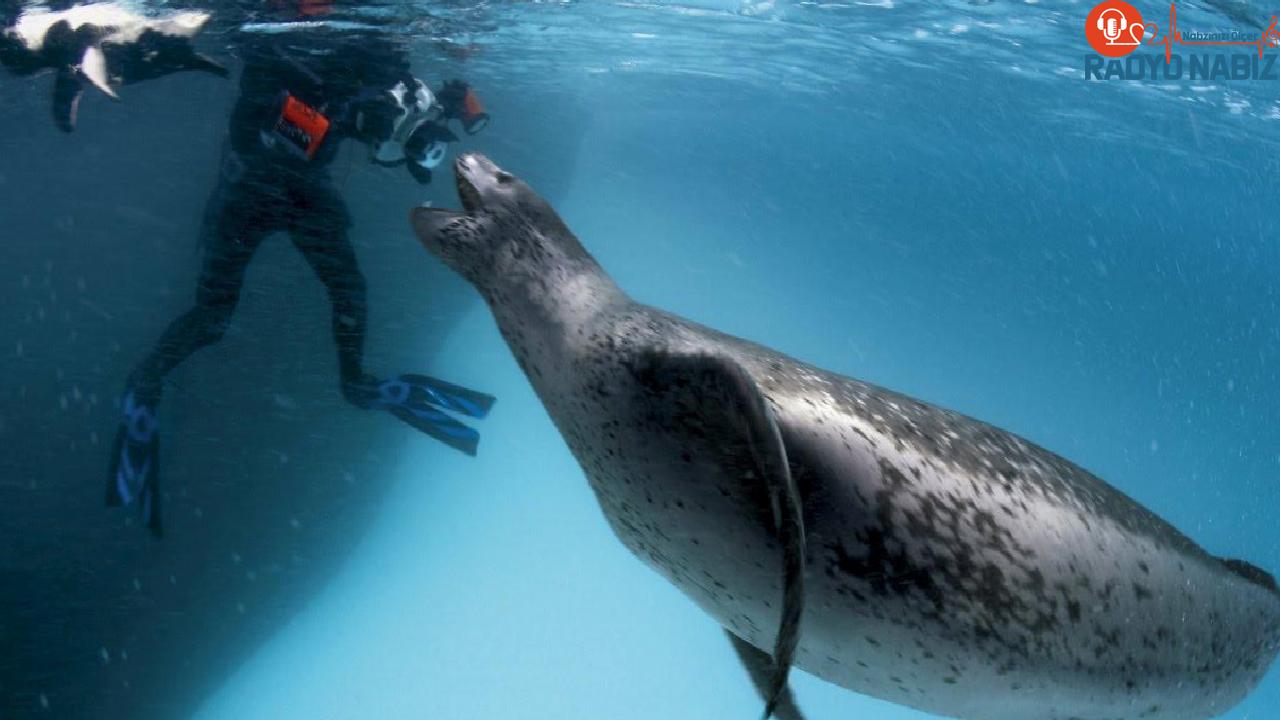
(949, 565)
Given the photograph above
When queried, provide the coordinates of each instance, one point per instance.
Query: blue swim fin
(420, 400)
(449, 396)
(134, 477)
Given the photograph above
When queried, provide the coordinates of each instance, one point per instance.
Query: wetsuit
(266, 187)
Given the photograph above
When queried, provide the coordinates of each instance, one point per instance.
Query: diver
(303, 91)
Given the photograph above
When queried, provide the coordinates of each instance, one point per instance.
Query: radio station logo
(1115, 30)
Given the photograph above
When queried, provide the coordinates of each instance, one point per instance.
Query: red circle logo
(1114, 28)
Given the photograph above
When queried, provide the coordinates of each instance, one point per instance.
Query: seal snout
(464, 172)
(439, 227)
(478, 179)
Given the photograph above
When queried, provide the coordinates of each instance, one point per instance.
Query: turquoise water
(930, 197)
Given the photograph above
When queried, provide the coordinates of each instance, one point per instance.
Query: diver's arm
(399, 117)
(376, 64)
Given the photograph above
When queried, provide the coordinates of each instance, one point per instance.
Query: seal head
(501, 215)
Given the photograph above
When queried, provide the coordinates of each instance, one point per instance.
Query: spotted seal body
(951, 566)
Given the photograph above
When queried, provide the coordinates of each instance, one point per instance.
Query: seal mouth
(471, 172)
(467, 192)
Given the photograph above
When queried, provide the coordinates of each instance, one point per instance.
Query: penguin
(106, 44)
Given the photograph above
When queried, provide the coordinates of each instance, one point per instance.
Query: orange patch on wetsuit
(302, 126)
(472, 104)
(303, 8)
(311, 8)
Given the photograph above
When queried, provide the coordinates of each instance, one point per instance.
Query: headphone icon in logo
(1112, 22)
(1117, 27)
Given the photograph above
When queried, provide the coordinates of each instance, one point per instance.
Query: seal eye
(504, 177)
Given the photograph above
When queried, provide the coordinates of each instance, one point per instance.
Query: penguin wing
(68, 88)
(724, 419)
(93, 66)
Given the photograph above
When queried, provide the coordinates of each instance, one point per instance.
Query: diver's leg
(229, 246)
(230, 234)
(322, 239)
(418, 400)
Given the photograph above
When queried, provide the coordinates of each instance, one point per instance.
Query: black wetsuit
(263, 188)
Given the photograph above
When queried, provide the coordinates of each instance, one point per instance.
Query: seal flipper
(66, 99)
(760, 667)
(1252, 573)
(716, 392)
